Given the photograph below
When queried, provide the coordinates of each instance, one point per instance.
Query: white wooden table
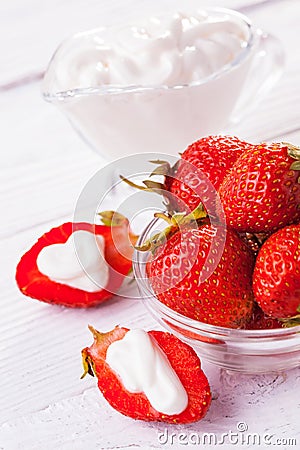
(44, 165)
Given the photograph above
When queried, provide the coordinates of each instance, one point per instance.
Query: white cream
(78, 263)
(174, 50)
(165, 50)
(143, 367)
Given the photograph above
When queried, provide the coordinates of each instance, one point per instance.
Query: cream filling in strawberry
(78, 263)
(144, 367)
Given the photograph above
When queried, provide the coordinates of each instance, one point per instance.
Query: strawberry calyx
(87, 362)
(163, 168)
(95, 353)
(88, 365)
(149, 185)
(112, 218)
(197, 217)
(291, 321)
(294, 152)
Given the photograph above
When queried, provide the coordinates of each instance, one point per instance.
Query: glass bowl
(247, 351)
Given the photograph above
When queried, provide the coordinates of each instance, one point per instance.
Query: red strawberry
(276, 277)
(198, 173)
(211, 157)
(180, 356)
(262, 191)
(259, 320)
(118, 255)
(194, 275)
(254, 241)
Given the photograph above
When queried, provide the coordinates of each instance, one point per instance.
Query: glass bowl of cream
(163, 82)
(246, 351)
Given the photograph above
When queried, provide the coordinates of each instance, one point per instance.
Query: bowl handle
(265, 70)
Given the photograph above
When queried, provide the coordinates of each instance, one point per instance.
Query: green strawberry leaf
(151, 185)
(295, 165)
(293, 150)
(112, 218)
(163, 168)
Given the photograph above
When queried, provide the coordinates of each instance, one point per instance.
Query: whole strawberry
(194, 275)
(276, 278)
(151, 376)
(209, 158)
(198, 173)
(262, 191)
(260, 321)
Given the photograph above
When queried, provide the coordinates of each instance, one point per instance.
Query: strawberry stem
(291, 321)
(175, 222)
(149, 186)
(294, 152)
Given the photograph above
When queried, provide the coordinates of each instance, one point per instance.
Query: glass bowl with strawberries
(224, 273)
(197, 282)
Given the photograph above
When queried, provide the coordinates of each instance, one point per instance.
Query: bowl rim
(49, 96)
(193, 325)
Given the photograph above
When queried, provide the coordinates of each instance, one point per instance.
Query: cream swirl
(167, 50)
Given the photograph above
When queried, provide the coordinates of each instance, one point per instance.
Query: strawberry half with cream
(151, 376)
(78, 264)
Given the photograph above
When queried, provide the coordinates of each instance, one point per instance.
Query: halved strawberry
(180, 356)
(119, 243)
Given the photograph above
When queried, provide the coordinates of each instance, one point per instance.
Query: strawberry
(204, 273)
(262, 191)
(259, 320)
(208, 158)
(183, 360)
(118, 254)
(276, 277)
(198, 173)
(254, 241)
